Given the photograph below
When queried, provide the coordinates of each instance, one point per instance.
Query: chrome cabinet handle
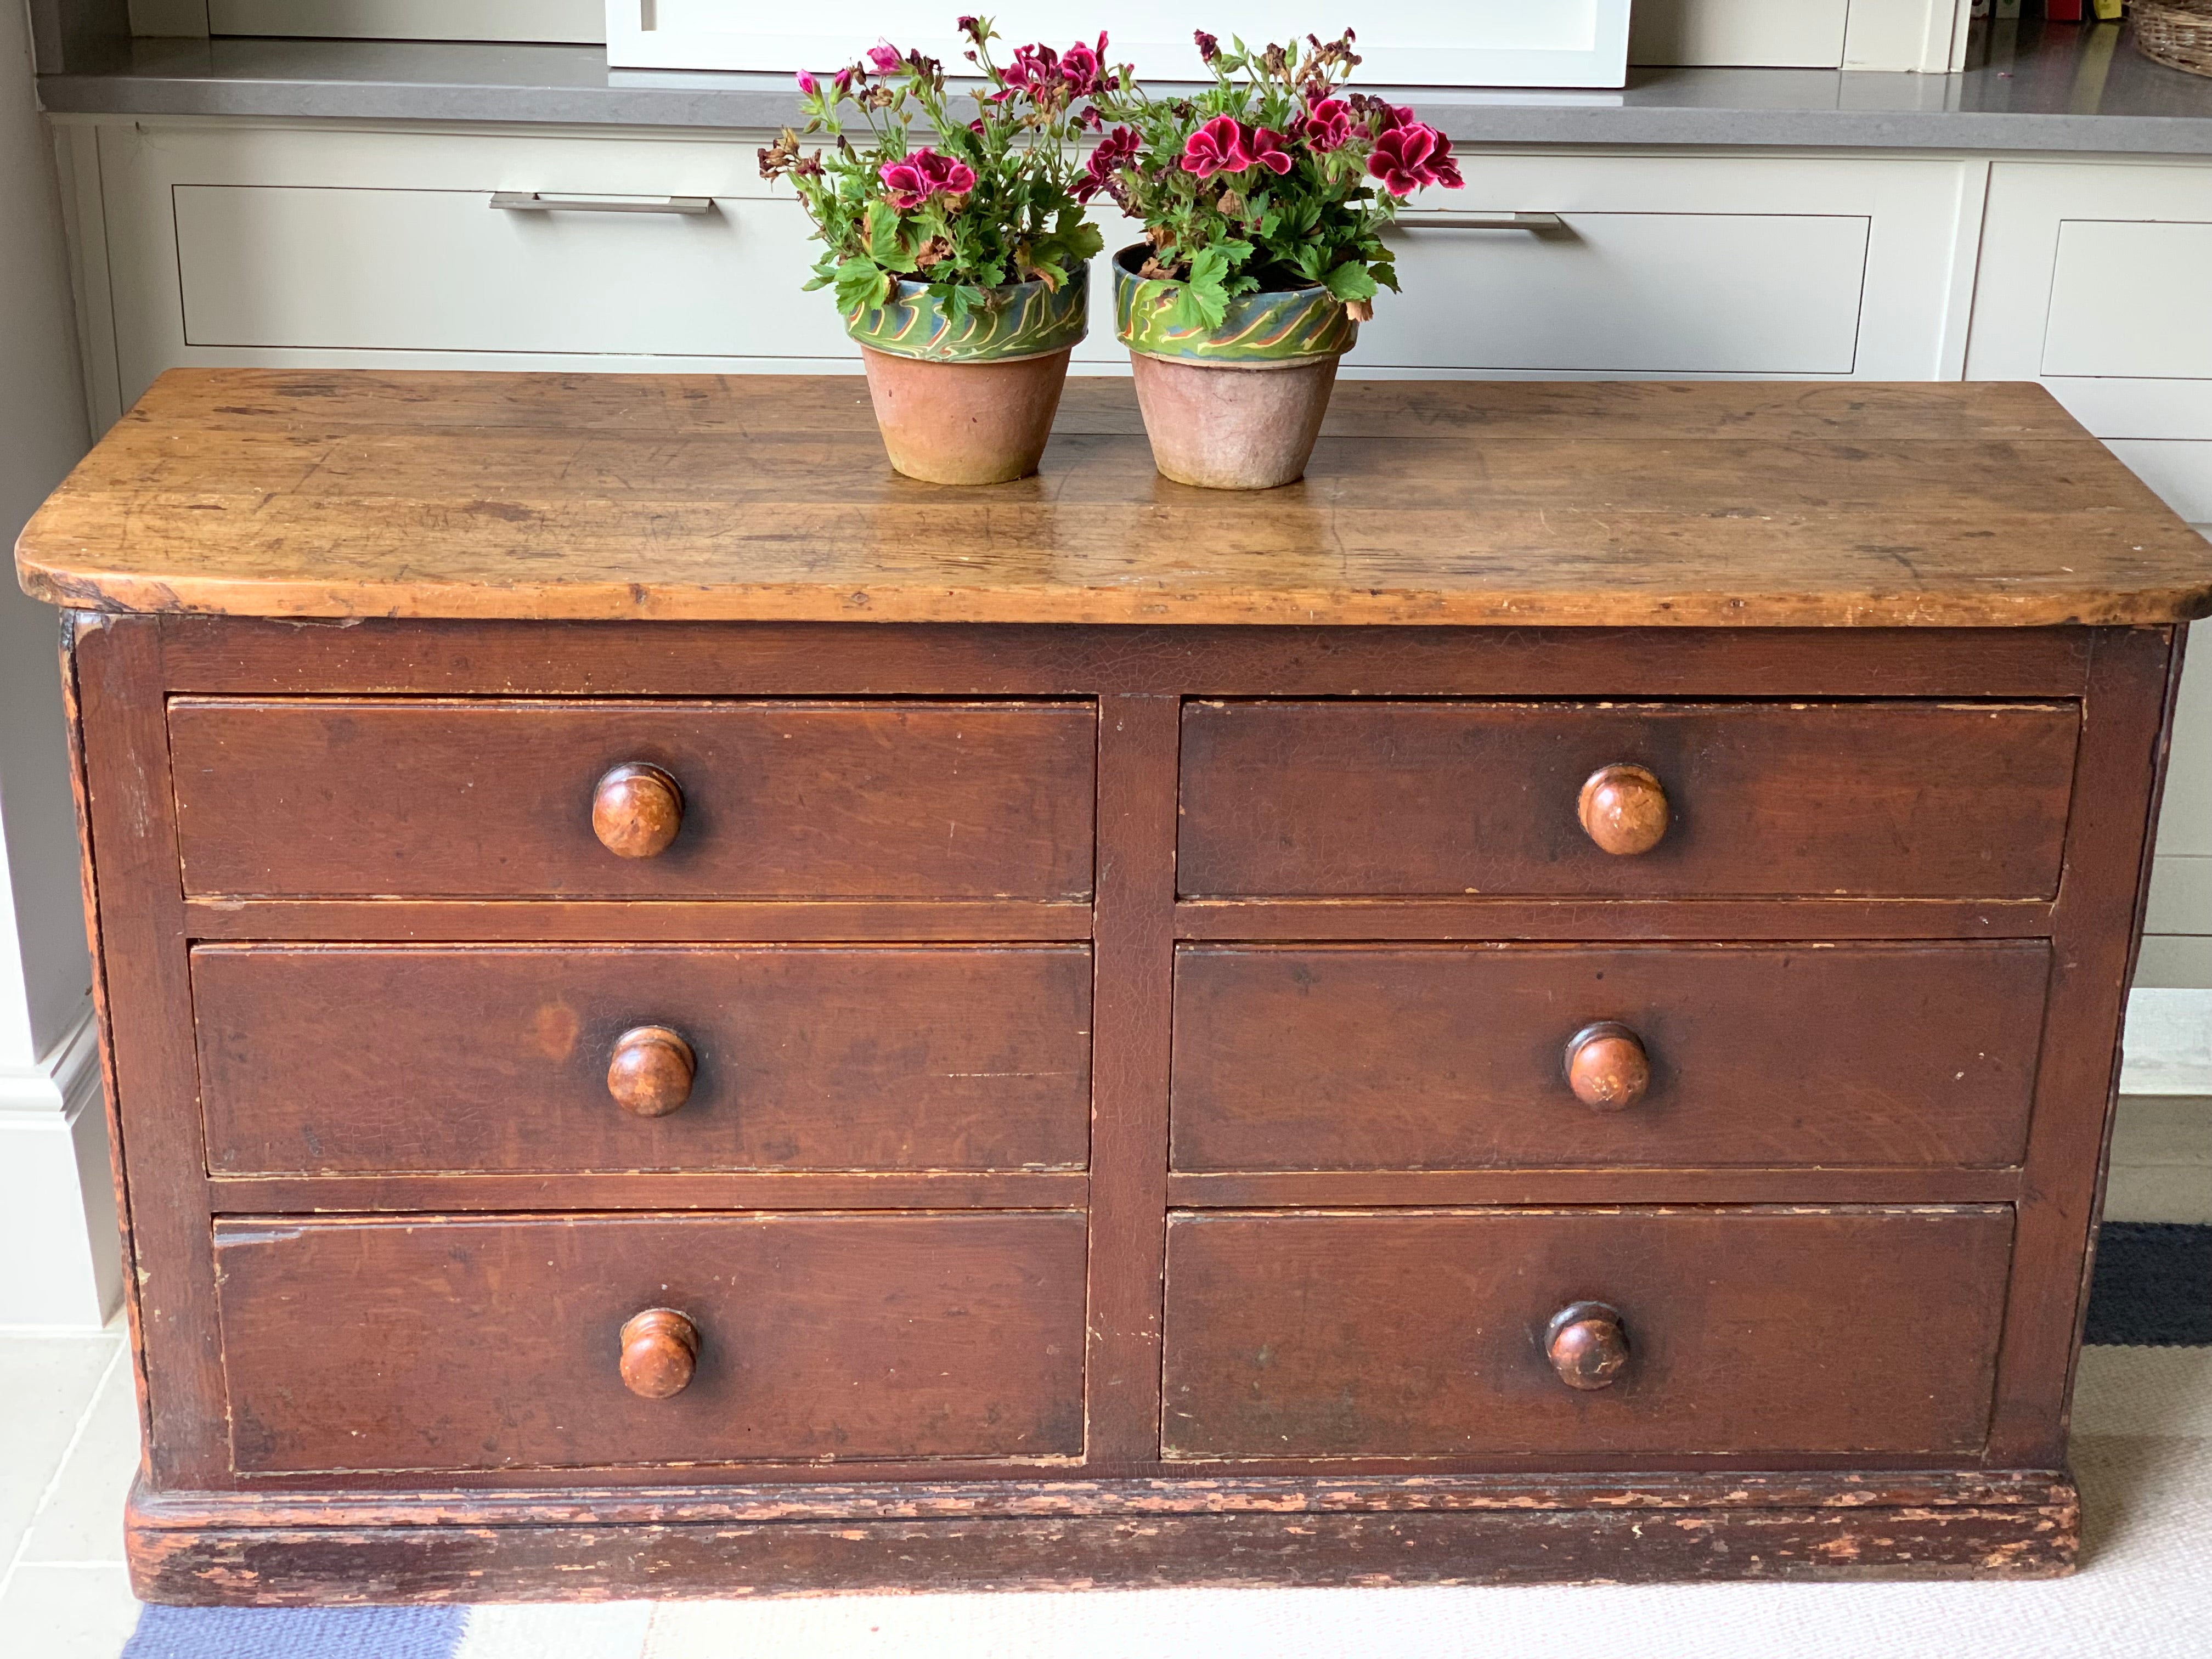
(527, 201)
(1532, 221)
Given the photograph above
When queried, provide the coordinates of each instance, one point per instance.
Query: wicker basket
(2175, 33)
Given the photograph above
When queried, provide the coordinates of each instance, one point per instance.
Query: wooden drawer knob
(1607, 1066)
(1587, 1345)
(660, 1350)
(651, 1071)
(636, 811)
(1624, 809)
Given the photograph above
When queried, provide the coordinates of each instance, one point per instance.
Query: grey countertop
(2041, 87)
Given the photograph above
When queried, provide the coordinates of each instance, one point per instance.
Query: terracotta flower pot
(969, 402)
(1236, 407)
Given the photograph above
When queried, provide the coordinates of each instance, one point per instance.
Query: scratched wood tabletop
(318, 493)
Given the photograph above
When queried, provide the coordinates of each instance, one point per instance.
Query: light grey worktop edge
(757, 111)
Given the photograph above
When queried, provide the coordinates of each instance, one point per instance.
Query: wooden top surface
(349, 493)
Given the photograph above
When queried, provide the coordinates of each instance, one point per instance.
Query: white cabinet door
(2093, 281)
(310, 268)
(294, 246)
(1683, 265)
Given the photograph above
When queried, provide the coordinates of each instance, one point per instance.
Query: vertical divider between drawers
(1133, 951)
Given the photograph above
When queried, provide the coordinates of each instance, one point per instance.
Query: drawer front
(1423, 1335)
(1454, 1057)
(318, 269)
(1626, 292)
(376, 798)
(498, 1060)
(2098, 259)
(494, 1344)
(1402, 800)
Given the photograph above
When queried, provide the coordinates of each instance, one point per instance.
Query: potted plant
(1263, 200)
(960, 263)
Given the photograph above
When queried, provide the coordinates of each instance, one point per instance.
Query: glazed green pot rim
(964, 362)
(1016, 321)
(1122, 265)
(1269, 328)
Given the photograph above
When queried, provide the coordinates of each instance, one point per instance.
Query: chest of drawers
(684, 1015)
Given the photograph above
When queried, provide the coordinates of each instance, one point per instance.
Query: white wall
(58, 1255)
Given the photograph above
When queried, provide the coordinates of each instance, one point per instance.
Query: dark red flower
(1084, 68)
(913, 180)
(1217, 146)
(1266, 145)
(1326, 124)
(1116, 147)
(1411, 156)
(1208, 48)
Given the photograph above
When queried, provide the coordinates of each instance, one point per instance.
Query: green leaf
(1203, 299)
(860, 284)
(1350, 281)
(883, 232)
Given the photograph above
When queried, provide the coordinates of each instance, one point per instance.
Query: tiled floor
(68, 1446)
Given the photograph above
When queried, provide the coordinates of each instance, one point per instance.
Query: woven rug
(2142, 1450)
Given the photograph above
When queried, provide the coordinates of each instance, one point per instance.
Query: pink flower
(1408, 156)
(909, 183)
(1117, 147)
(807, 85)
(1266, 146)
(843, 80)
(1084, 68)
(1327, 125)
(885, 58)
(1217, 146)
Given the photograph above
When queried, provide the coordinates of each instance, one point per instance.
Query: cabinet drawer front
(494, 1344)
(1400, 799)
(1423, 1334)
(1454, 1057)
(371, 797)
(497, 1059)
(307, 268)
(2098, 259)
(1627, 294)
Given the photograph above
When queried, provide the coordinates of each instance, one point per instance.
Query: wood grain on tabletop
(354, 493)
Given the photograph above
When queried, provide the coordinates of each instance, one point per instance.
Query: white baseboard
(58, 1233)
(2168, 1046)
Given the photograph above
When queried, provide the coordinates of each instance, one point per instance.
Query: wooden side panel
(1880, 800)
(1422, 1334)
(456, 1345)
(147, 1019)
(2097, 924)
(367, 799)
(1445, 1058)
(496, 1061)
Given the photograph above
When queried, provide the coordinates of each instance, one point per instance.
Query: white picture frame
(1414, 43)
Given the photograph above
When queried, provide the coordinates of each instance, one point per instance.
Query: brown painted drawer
(1896, 799)
(1443, 1057)
(497, 1058)
(1422, 1334)
(423, 799)
(493, 1344)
